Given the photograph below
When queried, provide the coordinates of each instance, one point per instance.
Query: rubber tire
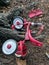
(21, 19)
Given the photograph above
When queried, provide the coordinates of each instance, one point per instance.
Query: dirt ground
(36, 55)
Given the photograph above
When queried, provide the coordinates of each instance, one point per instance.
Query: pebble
(47, 54)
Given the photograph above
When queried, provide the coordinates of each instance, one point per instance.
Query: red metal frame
(28, 36)
(22, 49)
(34, 13)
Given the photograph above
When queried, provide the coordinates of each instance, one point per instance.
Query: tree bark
(6, 33)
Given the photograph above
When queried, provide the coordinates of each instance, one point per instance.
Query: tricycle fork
(34, 41)
(28, 36)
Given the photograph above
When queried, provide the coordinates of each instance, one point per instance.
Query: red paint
(34, 13)
(41, 29)
(22, 49)
(12, 27)
(26, 35)
(9, 46)
(34, 41)
(17, 23)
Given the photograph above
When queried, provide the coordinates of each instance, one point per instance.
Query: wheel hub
(9, 46)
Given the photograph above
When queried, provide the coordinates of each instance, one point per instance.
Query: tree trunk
(6, 33)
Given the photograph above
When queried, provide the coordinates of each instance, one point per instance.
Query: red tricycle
(11, 46)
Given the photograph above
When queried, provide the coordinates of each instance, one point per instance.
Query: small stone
(20, 62)
(48, 6)
(47, 54)
(40, 19)
(42, 0)
(47, 40)
(0, 63)
(8, 7)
